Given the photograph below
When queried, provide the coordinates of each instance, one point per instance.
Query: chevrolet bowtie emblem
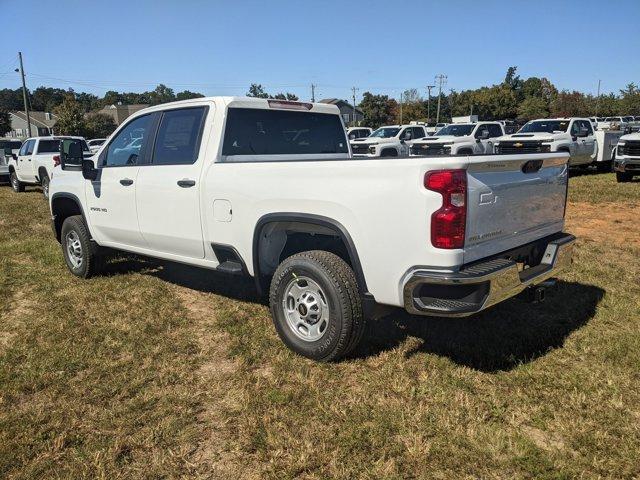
(517, 144)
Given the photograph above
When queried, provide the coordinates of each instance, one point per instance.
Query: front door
(111, 198)
(168, 189)
(24, 165)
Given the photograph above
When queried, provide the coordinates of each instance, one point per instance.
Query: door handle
(126, 182)
(186, 183)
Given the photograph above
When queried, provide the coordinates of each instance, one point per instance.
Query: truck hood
(534, 136)
(631, 136)
(373, 141)
(445, 139)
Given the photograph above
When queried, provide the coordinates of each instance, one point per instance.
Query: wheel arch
(305, 223)
(63, 206)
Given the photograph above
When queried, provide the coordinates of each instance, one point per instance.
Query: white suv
(460, 139)
(388, 141)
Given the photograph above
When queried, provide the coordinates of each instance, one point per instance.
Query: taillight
(56, 160)
(448, 222)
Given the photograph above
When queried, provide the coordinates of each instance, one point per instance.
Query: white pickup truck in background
(8, 148)
(627, 161)
(358, 132)
(388, 141)
(267, 188)
(34, 162)
(574, 136)
(460, 139)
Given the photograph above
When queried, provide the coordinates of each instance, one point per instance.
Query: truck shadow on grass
(500, 338)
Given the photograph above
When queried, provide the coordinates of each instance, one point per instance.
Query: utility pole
(429, 87)
(598, 99)
(313, 92)
(400, 108)
(353, 92)
(24, 95)
(441, 80)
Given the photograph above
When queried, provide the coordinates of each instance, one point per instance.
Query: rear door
(588, 142)
(513, 200)
(168, 188)
(111, 198)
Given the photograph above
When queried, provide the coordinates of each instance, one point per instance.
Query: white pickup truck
(460, 139)
(34, 162)
(268, 188)
(388, 141)
(627, 161)
(574, 136)
(8, 148)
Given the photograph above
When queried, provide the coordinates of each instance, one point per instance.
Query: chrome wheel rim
(74, 249)
(306, 309)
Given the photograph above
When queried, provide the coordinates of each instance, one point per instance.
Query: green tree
(186, 95)
(98, 125)
(630, 100)
(88, 101)
(45, 99)
(533, 107)
(256, 90)
(286, 96)
(378, 110)
(569, 104)
(5, 122)
(161, 94)
(70, 118)
(12, 99)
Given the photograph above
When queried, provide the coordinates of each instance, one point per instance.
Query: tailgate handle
(532, 166)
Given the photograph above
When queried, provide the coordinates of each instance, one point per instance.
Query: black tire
(345, 322)
(44, 183)
(91, 261)
(604, 166)
(16, 184)
(623, 177)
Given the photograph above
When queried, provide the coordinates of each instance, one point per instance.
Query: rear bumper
(474, 288)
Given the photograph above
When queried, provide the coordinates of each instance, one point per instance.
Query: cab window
(178, 139)
(125, 148)
(494, 130)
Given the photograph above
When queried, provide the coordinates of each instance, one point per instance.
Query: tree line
(513, 98)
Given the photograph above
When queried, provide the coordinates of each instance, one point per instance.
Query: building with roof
(41, 124)
(120, 112)
(349, 116)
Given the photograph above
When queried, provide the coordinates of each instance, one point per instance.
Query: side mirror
(70, 152)
(14, 156)
(89, 170)
(407, 136)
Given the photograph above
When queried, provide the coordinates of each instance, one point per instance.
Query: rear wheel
(16, 184)
(80, 253)
(603, 167)
(45, 185)
(315, 305)
(623, 177)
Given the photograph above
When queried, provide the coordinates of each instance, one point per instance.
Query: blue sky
(220, 47)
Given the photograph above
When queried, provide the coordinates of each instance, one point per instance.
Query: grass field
(155, 370)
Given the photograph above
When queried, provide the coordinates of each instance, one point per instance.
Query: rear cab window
(253, 132)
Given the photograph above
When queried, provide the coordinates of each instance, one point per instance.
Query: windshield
(385, 132)
(628, 119)
(546, 126)
(457, 130)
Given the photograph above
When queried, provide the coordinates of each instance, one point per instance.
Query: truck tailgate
(513, 200)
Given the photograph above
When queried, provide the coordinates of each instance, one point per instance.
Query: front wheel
(315, 305)
(80, 254)
(16, 184)
(623, 177)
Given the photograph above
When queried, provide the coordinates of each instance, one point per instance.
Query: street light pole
(441, 80)
(353, 92)
(429, 87)
(24, 95)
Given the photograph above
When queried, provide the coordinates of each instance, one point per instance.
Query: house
(346, 111)
(120, 112)
(41, 124)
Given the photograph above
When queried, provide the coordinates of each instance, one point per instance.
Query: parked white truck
(8, 148)
(574, 136)
(460, 139)
(268, 188)
(627, 161)
(388, 141)
(34, 162)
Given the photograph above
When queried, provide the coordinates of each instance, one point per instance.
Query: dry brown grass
(161, 371)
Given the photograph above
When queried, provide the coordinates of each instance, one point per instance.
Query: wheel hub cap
(74, 249)
(306, 309)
